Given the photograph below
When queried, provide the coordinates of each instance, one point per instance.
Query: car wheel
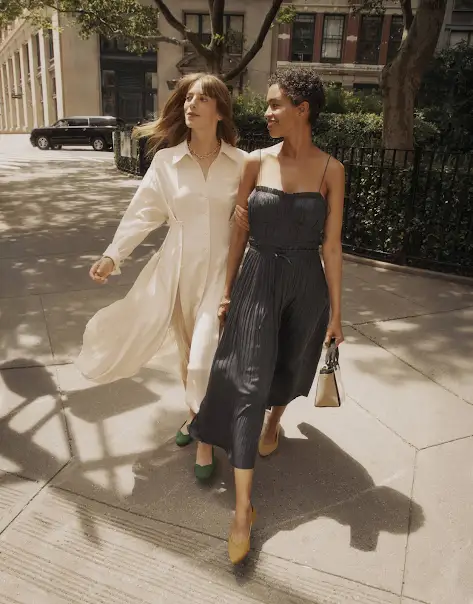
(43, 143)
(98, 144)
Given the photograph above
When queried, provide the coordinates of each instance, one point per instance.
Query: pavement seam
(42, 486)
(202, 533)
(381, 422)
(409, 526)
(446, 442)
(423, 314)
(408, 364)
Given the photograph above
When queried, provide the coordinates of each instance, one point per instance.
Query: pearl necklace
(207, 155)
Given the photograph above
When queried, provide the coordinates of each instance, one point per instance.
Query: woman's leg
(243, 511)
(204, 454)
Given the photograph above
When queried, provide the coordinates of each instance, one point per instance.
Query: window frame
(314, 25)
(327, 16)
(226, 17)
(363, 19)
(390, 56)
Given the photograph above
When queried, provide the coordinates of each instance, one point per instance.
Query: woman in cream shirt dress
(192, 187)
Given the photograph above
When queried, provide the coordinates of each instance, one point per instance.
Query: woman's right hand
(101, 270)
(241, 218)
(223, 311)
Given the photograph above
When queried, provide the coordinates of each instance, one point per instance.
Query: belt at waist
(283, 251)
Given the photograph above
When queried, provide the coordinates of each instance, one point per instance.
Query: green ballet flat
(182, 440)
(204, 473)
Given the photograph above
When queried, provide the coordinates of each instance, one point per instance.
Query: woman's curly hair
(301, 84)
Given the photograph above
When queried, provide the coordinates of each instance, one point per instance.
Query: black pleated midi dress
(276, 324)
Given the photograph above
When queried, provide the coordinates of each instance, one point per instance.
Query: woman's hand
(334, 330)
(223, 311)
(101, 270)
(241, 218)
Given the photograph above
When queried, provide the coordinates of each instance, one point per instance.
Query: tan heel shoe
(237, 552)
(264, 449)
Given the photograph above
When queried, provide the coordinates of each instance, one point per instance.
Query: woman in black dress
(283, 306)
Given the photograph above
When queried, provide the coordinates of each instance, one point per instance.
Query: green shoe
(182, 440)
(204, 473)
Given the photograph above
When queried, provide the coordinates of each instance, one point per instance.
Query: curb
(409, 270)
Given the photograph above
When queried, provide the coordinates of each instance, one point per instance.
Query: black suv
(76, 131)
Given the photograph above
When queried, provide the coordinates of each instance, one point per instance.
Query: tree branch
(216, 17)
(258, 43)
(182, 29)
(406, 6)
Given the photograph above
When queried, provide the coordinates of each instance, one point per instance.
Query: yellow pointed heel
(264, 449)
(237, 552)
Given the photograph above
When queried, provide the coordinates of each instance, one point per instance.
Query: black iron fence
(412, 208)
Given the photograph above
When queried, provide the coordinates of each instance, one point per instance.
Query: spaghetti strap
(325, 172)
(259, 171)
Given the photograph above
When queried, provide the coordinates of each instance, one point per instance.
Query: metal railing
(412, 208)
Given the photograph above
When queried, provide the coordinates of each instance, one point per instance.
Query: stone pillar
(25, 89)
(10, 90)
(44, 78)
(35, 99)
(16, 84)
(58, 66)
(3, 81)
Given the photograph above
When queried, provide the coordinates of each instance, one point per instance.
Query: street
(369, 503)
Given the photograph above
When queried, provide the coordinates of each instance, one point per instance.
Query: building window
(27, 61)
(459, 37)
(332, 38)
(38, 53)
(109, 92)
(51, 45)
(395, 36)
(369, 40)
(151, 95)
(233, 30)
(463, 5)
(303, 33)
(199, 23)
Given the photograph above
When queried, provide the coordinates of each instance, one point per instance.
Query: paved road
(370, 503)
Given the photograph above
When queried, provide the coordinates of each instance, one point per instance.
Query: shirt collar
(182, 150)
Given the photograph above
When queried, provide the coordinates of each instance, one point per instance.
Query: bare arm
(332, 246)
(239, 236)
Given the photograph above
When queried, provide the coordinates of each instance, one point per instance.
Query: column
(16, 84)
(284, 42)
(35, 100)
(353, 27)
(25, 88)
(44, 78)
(58, 66)
(319, 32)
(5, 121)
(383, 51)
(9, 93)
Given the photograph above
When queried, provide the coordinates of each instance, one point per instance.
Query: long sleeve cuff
(112, 252)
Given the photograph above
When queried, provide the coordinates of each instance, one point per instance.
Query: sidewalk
(370, 503)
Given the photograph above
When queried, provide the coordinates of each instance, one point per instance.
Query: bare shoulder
(335, 169)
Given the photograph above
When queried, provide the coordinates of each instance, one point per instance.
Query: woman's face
(282, 115)
(200, 110)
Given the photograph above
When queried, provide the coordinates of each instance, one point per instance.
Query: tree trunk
(401, 79)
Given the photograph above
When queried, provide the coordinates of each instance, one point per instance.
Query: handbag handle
(332, 356)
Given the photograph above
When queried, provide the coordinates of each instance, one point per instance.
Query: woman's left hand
(334, 330)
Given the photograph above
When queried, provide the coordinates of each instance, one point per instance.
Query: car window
(61, 124)
(78, 121)
(100, 121)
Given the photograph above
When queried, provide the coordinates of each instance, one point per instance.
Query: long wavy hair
(170, 128)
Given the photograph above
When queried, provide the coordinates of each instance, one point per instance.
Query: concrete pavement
(370, 503)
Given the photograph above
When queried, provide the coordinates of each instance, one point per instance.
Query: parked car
(77, 131)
